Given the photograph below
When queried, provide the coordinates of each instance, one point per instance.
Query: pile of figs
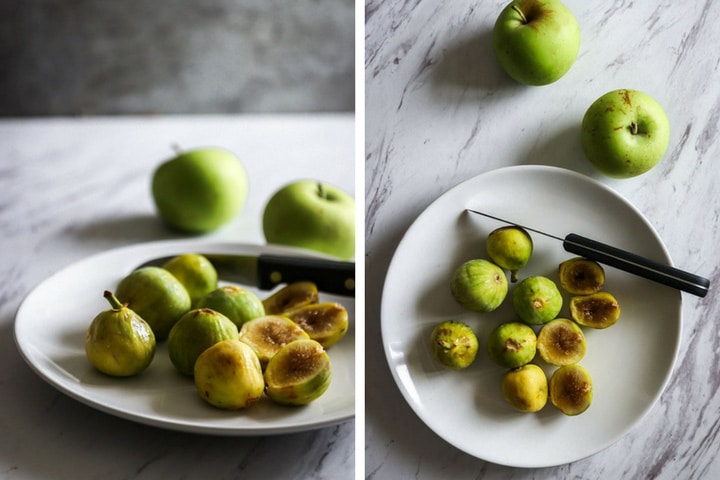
(540, 349)
(235, 346)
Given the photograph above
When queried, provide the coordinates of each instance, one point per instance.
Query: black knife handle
(636, 264)
(330, 276)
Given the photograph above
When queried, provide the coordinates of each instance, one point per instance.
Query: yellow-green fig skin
(526, 388)
(236, 303)
(454, 344)
(510, 248)
(228, 375)
(196, 331)
(537, 300)
(479, 285)
(200, 190)
(157, 296)
(196, 273)
(512, 344)
(119, 342)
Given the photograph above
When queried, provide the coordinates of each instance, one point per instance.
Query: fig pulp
(525, 388)
(119, 342)
(512, 344)
(510, 248)
(537, 300)
(580, 276)
(228, 375)
(325, 322)
(196, 274)
(299, 373)
(571, 389)
(267, 335)
(453, 344)
(196, 331)
(291, 296)
(479, 285)
(157, 296)
(561, 342)
(598, 310)
(237, 304)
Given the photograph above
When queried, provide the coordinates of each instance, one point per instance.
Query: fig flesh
(298, 374)
(267, 335)
(581, 276)
(598, 310)
(571, 389)
(228, 375)
(479, 285)
(537, 300)
(196, 274)
(118, 341)
(236, 303)
(512, 344)
(325, 322)
(453, 344)
(561, 342)
(196, 331)
(291, 296)
(525, 388)
(510, 248)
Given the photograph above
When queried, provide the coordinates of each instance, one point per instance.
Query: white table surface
(440, 111)
(73, 187)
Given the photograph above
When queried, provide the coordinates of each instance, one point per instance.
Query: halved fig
(581, 276)
(561, 342)
(598, 310)
(291, 296)
(267, 335)
(325, 322)
(298, 374)
(571, 389)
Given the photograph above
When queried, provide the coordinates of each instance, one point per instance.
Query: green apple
(625, 133)
(536, 41)
(312, 215)
(200, 190)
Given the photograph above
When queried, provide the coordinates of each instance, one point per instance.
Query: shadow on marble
(560, 148)
(125, 230)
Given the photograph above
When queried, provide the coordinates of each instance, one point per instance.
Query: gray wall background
(98, 57)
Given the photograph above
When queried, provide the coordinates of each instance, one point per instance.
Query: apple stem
(321, 191)
(519, 12)
(176, 148)
(634, 128)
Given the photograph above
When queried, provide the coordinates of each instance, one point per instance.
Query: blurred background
(105, 57)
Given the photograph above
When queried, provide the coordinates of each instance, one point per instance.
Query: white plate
(630, 362)
(50, 330)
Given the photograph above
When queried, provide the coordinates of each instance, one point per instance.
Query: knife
(623, 260)
(266, 271)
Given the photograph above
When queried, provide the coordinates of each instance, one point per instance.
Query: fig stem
(114, 302)
(519, 12)
(513, 276)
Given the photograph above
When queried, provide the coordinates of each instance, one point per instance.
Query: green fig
(196, 331)
(299, 373)
(453, 344)
(512, 344)
(598, 310)
(479, 285)
(195, 272)
(581, 276)
(510, 248)
(291, 296)
(228, 375)
(571, 389)
(561, 342)
(525, 388)
(537, 300)
(157, 296)
(326, 322)
(236, 303)
(200, 190)
(119, 342)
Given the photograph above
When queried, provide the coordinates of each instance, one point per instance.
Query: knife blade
(267, 271)
(622, 259)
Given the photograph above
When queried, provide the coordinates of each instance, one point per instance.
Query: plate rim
(151, 250)
(450, 191)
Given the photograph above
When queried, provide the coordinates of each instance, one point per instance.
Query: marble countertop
(72, 187)
(439, 111)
